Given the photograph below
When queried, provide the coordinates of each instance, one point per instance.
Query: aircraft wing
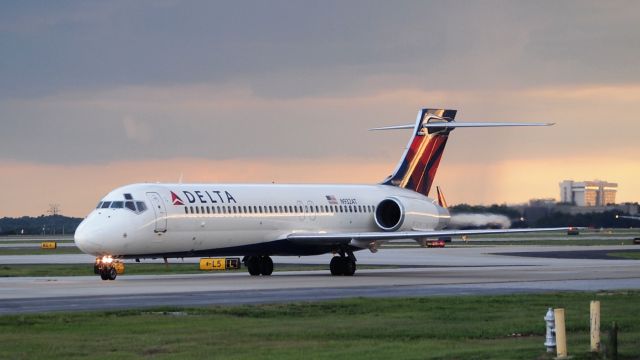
(403, 235)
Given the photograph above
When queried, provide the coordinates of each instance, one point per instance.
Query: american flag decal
(332, 200)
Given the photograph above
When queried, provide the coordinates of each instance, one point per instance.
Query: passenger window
(208, 210)
(130, 205)
(186, 210)
(117, 205)
(192, 209)
(106, 204)
(197, 210)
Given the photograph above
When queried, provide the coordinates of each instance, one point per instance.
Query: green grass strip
(464, 327)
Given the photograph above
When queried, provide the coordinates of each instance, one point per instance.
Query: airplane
(627, 217)
(257, 221)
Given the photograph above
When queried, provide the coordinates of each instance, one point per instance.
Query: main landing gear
(258, 265)
(344, 264)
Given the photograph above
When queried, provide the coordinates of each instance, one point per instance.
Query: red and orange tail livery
(420, 161)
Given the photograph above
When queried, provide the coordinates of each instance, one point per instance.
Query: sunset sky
(96, 94)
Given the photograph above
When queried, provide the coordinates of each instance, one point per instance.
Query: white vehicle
(259, 221)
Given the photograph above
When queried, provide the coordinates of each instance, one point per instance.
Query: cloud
(231, 121)
(285, 49)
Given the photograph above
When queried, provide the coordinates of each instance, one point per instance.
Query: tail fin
(421, 158)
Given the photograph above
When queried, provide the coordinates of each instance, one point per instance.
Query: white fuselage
(226, 219)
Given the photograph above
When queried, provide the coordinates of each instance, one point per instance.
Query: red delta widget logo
(203, 197)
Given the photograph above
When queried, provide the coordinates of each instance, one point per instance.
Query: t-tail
(419, 164)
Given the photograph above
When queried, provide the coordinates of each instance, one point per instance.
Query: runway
(425, 272)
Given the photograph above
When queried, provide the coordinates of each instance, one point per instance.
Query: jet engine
(405, 213)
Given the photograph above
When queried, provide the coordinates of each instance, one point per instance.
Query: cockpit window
(128, 197)
(141, 206)
(99, 205)
(137, 207)
(130, 205)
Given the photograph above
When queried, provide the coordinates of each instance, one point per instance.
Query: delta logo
(203, 197)
(175, 199)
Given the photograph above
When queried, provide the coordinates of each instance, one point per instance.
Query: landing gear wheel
(104, 275)
(253, 265)
(335, 265)
(112, 273)
(342, 265)
(266, 265)
(348, 267)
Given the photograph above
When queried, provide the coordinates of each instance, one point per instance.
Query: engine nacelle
(404, 213)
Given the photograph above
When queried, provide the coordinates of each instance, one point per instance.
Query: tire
(253, 265)
(104, 275)
(112, 273)
(349, 267)
(266, 266)
(334, 266)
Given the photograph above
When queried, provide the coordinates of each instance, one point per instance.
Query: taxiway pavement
(424, 272)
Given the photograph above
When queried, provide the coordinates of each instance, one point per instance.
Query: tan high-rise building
(588, 193)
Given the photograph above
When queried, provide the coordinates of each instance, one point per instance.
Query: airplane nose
(85, 239)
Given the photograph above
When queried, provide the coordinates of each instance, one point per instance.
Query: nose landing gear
(107, 268)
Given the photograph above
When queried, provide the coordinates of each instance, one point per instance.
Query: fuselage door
(158, 208)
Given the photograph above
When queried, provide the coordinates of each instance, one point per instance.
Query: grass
(626, 255)
(39, 251)
(466, 327)
(140, 269)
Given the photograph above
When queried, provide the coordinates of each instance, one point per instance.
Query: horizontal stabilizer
(454, 124)
(394, 127)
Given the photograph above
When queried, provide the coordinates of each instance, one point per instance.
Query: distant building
(588, 193)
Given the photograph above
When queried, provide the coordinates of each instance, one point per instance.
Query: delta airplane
(627, 217)
(259, 221)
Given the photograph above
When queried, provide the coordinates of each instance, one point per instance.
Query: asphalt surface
(424, 272)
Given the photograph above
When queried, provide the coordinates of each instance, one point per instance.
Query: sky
(99, 94)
